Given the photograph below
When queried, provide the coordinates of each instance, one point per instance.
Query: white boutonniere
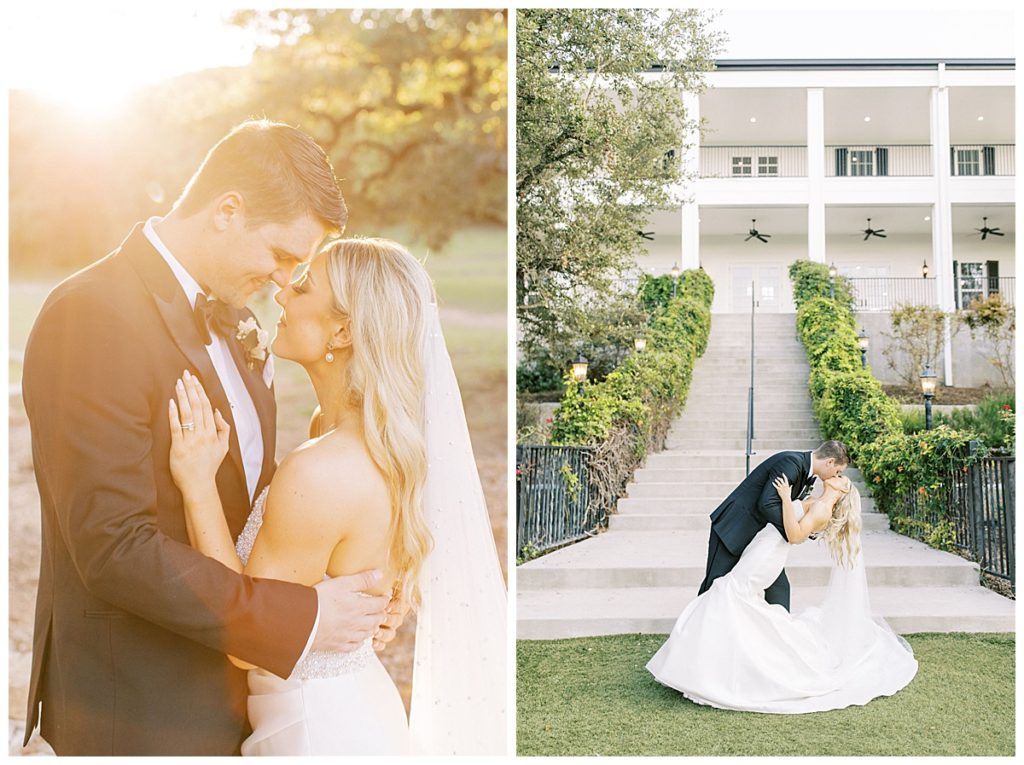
(254, 341)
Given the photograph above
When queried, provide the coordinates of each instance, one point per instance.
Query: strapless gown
(333, 703)
(731, 649)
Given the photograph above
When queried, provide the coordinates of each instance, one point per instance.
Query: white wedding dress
(731, 649)
(333, 702)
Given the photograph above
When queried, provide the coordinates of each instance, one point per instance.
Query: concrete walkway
(639, 575)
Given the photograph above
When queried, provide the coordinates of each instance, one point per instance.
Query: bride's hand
(199, 435)
(783, 487)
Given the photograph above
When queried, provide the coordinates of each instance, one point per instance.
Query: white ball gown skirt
(731, 649)
(332, 704)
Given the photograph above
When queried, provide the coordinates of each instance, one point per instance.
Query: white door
(768, 283)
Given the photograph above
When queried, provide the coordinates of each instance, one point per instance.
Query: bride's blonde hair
(843, 531)
(386, 293)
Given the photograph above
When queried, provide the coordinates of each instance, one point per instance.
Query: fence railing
(878, 161)
(553, 498)
(753, 161)
(978, 159)
(977, 500)
(885, 293)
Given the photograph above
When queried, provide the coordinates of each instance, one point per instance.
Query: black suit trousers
(721, 562)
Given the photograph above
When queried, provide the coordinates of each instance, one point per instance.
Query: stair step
(693, 505)
(635, 521)
(677, 558)
(546, 615)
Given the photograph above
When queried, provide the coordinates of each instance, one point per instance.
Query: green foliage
(656, 291)
(593, 128)
(648, 388)
(851, 407)
(916, 340)
(993, 419)
(537, 376)
(811, 280)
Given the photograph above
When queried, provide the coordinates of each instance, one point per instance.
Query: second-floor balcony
(854, 161)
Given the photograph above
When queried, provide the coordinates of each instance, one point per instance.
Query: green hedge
(648, 389)
(852, 407)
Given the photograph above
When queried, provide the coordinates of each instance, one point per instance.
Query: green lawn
(593, 696)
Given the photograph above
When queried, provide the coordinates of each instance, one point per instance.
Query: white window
(968, 162)
(741, 166)
(971, 282)
(862, 162)
(767, 165)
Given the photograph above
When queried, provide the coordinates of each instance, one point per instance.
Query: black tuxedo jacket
(132, 624)
(755, 503)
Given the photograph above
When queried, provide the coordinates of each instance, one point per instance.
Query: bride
(387, 481)
(733, 650)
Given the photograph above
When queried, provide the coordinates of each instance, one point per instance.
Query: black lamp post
(928, 381)
(924, 270)
(579, 368)
(862, 343)
(832, 271)
(675, 279)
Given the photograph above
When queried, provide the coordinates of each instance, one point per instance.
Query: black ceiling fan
(869, 232)
(985, 230)
(754, 233)
(648, 235)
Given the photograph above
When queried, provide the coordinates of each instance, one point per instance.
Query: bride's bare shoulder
(327, 479)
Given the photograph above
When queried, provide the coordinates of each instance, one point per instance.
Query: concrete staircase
(639, 575)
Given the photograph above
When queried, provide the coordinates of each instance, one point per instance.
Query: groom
(132, 624)
(755, 503)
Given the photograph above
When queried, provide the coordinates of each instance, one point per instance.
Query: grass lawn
(593, 696)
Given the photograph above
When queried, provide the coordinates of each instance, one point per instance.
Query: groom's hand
(348, 615)
(396, 611)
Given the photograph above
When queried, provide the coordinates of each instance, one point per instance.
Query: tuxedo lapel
(179, 318)
(262, 398)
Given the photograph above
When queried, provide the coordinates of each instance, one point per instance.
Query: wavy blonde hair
(385, 293)
(843, 531)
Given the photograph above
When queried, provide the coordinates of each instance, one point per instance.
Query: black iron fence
(553, 498)
(973, 510)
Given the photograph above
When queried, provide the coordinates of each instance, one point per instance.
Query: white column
(689, 256)
(816, 174)
(942, 216)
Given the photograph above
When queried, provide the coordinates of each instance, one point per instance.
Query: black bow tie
(212, 315)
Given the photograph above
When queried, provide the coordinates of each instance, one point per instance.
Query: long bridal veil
(459, 676)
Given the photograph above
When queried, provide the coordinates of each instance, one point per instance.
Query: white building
(812, 149)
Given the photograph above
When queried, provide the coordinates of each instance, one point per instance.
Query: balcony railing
(753, 161)
(886, 293)
(978, 159)
(891, 160)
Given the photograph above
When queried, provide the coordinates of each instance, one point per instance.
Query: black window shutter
(992, 271)
(882, 160)
(956, 284)
(841, 161)
(952, 161)
(988, 157)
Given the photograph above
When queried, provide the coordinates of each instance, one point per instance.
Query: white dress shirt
(243, 411)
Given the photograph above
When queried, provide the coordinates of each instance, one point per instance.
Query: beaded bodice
(317, 664)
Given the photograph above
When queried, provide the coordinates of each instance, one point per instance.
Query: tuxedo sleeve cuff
(312, 636)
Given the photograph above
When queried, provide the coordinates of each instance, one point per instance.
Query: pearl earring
(329, 357)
